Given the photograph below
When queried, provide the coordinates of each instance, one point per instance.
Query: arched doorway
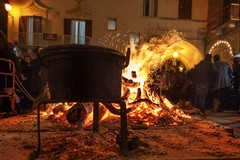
(224, 49)
(187, 54)
(174, 64)
(179, 57)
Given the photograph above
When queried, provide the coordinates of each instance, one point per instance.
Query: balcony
(226, 18)
(31, 39)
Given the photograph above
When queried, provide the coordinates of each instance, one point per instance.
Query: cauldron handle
(126, 63)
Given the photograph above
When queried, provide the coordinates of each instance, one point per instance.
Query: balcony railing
(47, 39)
(226, 15)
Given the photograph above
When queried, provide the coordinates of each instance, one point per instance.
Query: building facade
(223, 36)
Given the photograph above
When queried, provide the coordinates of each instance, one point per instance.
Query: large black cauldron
(83, 72)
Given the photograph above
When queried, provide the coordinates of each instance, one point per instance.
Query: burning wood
(152, 110)
(126, 93)
(130, 82)
(146, 112)
(78, 113)
(59, 108)
(144, 105)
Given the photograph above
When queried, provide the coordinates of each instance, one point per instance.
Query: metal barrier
(6, 75)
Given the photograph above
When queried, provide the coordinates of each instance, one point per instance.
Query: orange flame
(151, 109)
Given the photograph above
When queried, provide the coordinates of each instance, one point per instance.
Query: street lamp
(8, 7)
(10, 21)
(175, 55)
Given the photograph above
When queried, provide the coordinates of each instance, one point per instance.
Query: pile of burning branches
(144, 105)
(144, 108)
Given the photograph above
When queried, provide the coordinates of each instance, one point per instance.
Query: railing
(227, 14)
(5, 75)
(46, 39)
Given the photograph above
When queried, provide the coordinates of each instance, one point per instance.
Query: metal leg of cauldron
(95, 116)
(39, 132)
(36, 153)
(124, 131)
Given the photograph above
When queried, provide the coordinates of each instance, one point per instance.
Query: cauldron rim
(90, 72)
(76, 48)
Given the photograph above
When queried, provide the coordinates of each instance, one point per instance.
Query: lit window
(112, 24)
(78, 31)
(30, 30)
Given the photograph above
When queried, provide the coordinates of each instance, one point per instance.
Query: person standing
(236, 73)
(221, 83)
(203, 74)
(6, 52)
(27, 72)
(236, 78)
(26, 79)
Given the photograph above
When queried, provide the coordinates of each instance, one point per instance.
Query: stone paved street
(230, 119)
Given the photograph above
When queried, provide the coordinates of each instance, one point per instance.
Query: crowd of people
(27, 74)
(210, 84)
(211, 79)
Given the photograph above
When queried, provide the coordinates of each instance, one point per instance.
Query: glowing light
(175, 54)
(219, 43)
(146, 106)
(8, 7)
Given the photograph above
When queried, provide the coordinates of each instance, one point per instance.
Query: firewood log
(130, 82)
(76, 114)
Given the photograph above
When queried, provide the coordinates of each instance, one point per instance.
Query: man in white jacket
(221, 83)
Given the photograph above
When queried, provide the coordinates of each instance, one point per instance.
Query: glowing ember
(149, 113)
(76, 114)
(156, 110)
(104, 114)
(147, 106)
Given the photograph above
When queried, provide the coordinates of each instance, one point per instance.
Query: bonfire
(145, 106)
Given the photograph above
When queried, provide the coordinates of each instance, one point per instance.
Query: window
(185, 9)
(30, 24)
(29, 30)
(150, 8)
(112, 24)
(235, 11)
(135, 39)
(77, 31)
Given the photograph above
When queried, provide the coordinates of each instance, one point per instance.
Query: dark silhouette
(6, 82)
(203, 75)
